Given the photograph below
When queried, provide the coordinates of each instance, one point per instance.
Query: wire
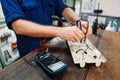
(84, 49)
(31, 63)
(44, 45)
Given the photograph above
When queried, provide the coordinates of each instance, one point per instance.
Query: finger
(76, 38)
(84, 24)
(84, 31)
(80, 34)
(89, 31)
(77, 34)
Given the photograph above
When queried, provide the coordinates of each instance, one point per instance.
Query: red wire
(44, 45)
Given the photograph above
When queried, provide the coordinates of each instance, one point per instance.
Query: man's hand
(71, 33)
(74, 33)
(85, 27)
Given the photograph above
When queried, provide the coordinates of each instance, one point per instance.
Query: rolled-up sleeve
(60, 7)
(12, 11)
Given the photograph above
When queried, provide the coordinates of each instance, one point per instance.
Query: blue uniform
(39, 11)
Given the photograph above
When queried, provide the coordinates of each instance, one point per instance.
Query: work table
(106, 41)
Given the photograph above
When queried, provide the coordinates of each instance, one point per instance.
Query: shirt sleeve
(12, 11)
(60, 7)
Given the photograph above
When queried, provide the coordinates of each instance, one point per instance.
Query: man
(32, 20)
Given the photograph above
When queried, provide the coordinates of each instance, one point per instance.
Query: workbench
(106, 41)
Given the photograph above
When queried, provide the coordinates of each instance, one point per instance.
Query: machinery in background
(8, 46)
(71, 3)
(115, 25)
(95, 23)
(112, 26)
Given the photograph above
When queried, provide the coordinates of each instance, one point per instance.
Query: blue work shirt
(38, 11)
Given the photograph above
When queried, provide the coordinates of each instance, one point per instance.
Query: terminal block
(83, 53)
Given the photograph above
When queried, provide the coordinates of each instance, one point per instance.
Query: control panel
(8, 46)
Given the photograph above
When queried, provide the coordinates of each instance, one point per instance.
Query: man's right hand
(70, 33)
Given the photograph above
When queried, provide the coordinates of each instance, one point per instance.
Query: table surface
(106, 41)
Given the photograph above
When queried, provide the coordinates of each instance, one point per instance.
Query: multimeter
(50, 64)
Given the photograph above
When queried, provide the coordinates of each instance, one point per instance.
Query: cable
(31, 63)
(44, 45)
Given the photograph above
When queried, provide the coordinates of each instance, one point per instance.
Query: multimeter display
(50, 64)
(56, 66)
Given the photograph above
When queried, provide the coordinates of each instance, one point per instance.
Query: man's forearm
(69, 15)
(32, 29)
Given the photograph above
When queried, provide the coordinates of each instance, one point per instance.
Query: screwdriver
(77, 22)
(86, 31)
(81, 28)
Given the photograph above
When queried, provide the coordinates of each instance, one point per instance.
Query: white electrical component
(83, 53)
(8, 46)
